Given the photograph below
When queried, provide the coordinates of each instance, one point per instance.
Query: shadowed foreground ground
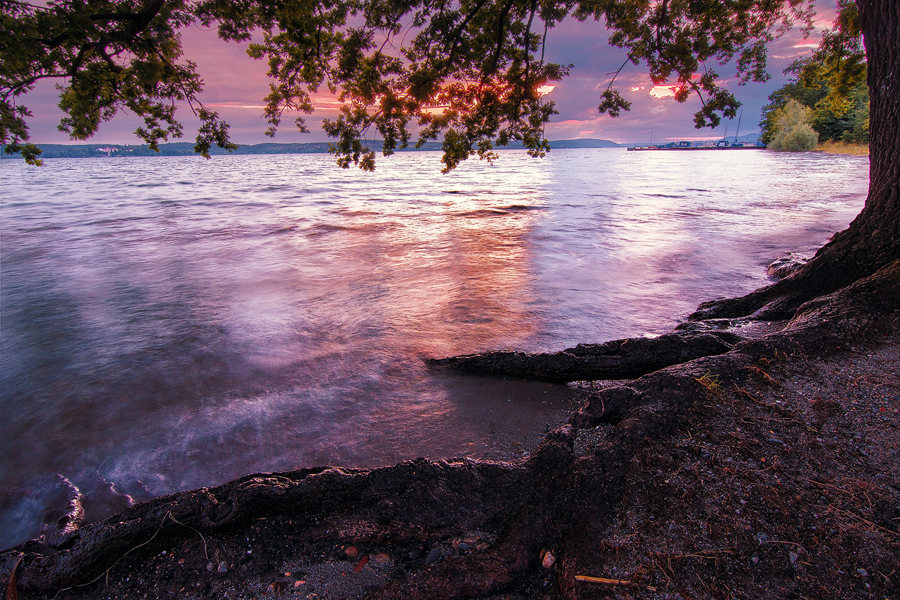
(768, 469)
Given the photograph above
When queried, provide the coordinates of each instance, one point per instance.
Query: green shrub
(793, 132)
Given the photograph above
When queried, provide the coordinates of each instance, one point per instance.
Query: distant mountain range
(187, 148)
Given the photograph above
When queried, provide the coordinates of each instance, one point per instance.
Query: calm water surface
(170, 323)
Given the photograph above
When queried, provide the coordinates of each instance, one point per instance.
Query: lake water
(171, 323)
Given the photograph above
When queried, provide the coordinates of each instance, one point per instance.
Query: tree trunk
(873, 239)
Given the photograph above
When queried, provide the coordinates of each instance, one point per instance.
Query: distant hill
(174, 149)
(187, 149)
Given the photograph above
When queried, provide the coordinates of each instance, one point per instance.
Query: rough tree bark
(873, 239)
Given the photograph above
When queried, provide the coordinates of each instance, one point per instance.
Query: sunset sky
(236, 84)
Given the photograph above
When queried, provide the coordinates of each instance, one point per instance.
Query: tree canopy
(466, 72)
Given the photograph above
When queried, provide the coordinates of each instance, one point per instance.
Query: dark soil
(771, 470)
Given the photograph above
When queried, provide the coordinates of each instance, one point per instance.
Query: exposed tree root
(618, 359)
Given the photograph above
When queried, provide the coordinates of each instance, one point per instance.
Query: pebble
(223, 567)
(382, 557)
(762, 538)
(548, 559)
(433, 556)
(794, 557)
(351, 551)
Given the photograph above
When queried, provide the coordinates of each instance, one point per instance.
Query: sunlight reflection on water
(170, 323)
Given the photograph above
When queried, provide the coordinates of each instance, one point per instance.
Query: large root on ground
(618, 359)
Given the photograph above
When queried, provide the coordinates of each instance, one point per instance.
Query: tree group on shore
(828, 94)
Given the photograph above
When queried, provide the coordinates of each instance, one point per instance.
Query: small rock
(210, 566)
(762, 538)
(433, 556)
(548, 560)
(786, 265)
(298, 583)
(351, 551)
(382, 557)
(223, 567)
(794, 557)
(863, 572)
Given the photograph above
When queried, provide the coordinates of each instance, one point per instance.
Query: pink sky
(236, 84)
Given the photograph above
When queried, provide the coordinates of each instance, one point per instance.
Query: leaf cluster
(680, 39)
(110, 55)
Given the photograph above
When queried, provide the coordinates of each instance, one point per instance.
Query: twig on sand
(616, 582)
